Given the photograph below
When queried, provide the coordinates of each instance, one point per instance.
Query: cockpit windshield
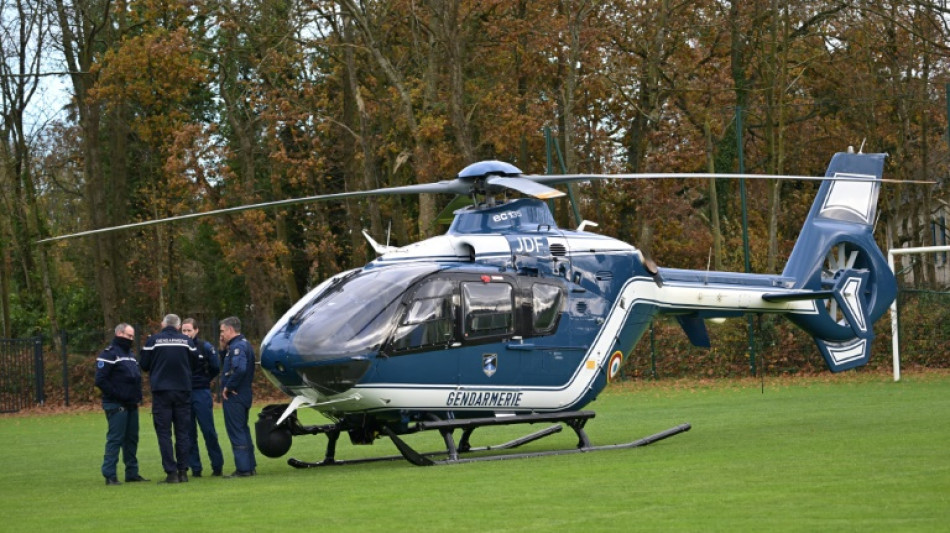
(356, 315)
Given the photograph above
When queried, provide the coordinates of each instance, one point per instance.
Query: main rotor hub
(489, 168)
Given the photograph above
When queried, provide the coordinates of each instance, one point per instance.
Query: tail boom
(836, 283)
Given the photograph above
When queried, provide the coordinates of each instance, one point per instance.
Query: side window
(429, 318)
(546, 306)
(488, 309)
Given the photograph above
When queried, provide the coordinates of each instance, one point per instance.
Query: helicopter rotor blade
(529, 187)
(492, 175)
(553, 179)
(442, 187)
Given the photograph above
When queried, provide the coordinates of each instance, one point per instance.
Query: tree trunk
(715, 225)
(82, 37)
(108, 262)
(5, 286)
(368, 158)
(420, 155)
(451, 35)
(355, 152)
(925, 167)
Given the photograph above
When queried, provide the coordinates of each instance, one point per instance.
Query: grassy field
(851, 452)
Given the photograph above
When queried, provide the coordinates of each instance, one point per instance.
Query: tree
(86, 28)
(22, 44)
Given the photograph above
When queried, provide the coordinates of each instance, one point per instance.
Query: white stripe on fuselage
(641, 290)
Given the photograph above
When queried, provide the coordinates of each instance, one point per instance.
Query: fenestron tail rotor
(839, 258)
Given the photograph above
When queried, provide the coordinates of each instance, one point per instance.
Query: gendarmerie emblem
(490, 363)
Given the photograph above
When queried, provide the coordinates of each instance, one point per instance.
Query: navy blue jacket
(208, 365)
(237, 374)
(169, 357)
(118, 375)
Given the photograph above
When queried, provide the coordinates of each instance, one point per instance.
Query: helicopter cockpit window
(355, 317)
(488, 309)
(429, 317)
(546, 306)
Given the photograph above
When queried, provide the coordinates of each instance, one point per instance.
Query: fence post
(63, 339)
(38, 369)
(652, 351)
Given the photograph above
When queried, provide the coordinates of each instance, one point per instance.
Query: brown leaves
(155, 74)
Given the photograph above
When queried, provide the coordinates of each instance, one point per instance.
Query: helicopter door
(487, 309)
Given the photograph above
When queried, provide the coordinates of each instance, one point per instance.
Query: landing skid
(452, 453)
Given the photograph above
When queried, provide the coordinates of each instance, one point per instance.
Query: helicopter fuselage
(504, 314)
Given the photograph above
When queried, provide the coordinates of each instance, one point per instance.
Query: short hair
(233, 322)
(171, 320)
(191, 321)
(121, 328)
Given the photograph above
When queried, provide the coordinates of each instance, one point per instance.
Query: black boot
(183, 476)
(171, 477)
(113, 481)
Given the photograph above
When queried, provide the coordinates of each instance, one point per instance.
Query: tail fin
(836, 254)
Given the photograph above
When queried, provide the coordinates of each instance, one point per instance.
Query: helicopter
(509, 319)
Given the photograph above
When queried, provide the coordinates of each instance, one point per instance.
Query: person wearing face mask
(119, 378)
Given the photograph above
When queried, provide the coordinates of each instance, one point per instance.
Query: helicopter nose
(335, 377)
(326, 374)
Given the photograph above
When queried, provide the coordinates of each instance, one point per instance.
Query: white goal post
(895, 349)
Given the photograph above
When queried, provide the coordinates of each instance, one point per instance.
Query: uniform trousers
(123, 434)
(172, 408)
(235, 422)
(202, 415)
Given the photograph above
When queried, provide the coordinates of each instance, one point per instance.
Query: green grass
(853, 452)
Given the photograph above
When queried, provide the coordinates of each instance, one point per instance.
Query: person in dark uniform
(202, 404)
(120, 380)
(237, 374)
(169, 357)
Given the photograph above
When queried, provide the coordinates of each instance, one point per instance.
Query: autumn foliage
(191, 105)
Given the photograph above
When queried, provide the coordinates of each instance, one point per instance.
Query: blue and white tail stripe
(638, 291)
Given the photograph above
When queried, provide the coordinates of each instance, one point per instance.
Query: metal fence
(38, 370)
(21, 373)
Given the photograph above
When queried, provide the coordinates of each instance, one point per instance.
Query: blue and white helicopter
(509, 319)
